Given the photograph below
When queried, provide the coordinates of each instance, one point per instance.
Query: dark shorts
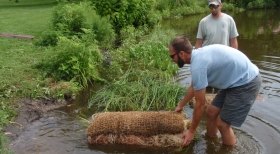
(235, 103)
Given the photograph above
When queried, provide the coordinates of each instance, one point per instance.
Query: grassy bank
(18, 78)
(18, 55)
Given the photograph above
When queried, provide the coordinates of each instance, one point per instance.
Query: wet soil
(30, 111)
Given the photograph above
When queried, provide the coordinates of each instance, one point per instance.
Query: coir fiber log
(152, 129)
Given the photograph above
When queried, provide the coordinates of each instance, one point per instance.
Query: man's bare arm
(198, 109)
(198, 43)
(189, 95)
(234, 43)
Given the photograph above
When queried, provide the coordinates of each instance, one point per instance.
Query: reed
(138, 90)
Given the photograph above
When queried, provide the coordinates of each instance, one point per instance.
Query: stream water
(63, 132)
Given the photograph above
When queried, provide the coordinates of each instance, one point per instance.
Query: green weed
(6, 112)
(73, 61)
(3, 145)
(138, 90)
(125, 13)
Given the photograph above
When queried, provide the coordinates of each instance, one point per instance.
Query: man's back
(221, 67)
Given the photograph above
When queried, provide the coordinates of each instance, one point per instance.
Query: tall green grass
(146, 83)
(138, 90)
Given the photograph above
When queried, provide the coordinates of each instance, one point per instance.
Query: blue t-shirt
(221, 67)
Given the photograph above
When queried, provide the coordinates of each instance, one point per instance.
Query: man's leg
(227, 133)
(237, 104)
(212, 117)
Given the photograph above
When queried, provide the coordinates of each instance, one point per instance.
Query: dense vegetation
(83, 43)
(255, 4)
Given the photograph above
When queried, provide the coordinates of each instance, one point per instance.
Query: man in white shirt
(217, 28)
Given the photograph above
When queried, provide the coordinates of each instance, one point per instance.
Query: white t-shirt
(221, 67)
(217, 31)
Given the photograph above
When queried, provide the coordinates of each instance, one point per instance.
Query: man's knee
(222, 125)
(212, 112)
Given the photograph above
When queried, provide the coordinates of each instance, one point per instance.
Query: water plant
(138, 90)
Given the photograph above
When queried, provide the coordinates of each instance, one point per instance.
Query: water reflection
(58, 132)
(270, 71)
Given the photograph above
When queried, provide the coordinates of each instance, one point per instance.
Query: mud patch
(7, 35)
(30, 111)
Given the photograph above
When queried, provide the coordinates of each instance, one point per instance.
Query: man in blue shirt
(221, 67)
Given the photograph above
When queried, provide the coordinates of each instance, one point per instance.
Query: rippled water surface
(63, 132)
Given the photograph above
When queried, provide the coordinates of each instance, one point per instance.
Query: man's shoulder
(206, 18)
(224, 15)
(217, 48)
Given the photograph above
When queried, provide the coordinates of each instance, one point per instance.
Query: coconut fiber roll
(150, 128)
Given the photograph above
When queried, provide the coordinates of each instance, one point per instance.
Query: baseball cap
(215, 2)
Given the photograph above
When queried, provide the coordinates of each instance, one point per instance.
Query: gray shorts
(235, 103)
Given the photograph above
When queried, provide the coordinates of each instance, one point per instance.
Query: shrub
(48, 38)
(151, 54)
(69, 18)
(258, 4)
(171, 4)
(171, 8)
(73, 61)
(131, 36)
(103, 30)
(123, 13)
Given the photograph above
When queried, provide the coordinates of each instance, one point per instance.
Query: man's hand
(179, 108)
(189, 95)
(188, 137)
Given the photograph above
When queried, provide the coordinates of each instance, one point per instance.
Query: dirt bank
(29, 111)
(8, 35)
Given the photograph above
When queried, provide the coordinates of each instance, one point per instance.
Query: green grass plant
(16, 60)
(3, 145)
(138, 90)
(31, 20)
(146, 83)
(150, 53)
